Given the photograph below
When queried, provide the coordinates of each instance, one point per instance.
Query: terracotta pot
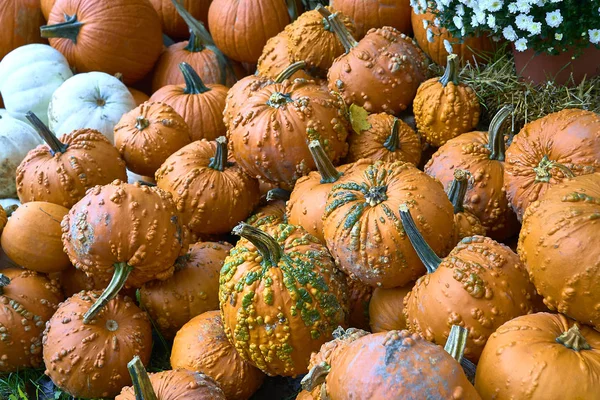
(538, 68)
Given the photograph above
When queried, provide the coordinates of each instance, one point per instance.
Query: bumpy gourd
(361, 224)
(273, 212)
(444, 107)
(275, 58)
(281, 297)
(467, 224)
(480, 285)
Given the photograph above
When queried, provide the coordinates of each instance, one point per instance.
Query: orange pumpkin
(480, 285)
(546, 345)
(61, 171)
(201, 346)
(444, 107)
(387, 138)
(275, 58)
(139, 97)
(200, 105)
(109, 36)
(3, 219)
(547, 150)
(482, 154)
(172, 24)
(241, 28)
(32, 237)
(46, 6)
(381, 73)
(192, 290)
(385, 309)
(359, 297)
(147, 135)
(368, 14)
(468, 49)
(466, 223)
(361, 226)
(20, 21)
(273, 212)
(73, 280)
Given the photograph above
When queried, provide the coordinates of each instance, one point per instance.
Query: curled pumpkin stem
(266, 245)
(289, 71)
(392, 143)
(329, 173)
(193, 82)
(496, 138)
(543, 172)
(56, 146)
(451, 72)
(122, 271)
(316, 376)
(573, 339)
(141, 381)
(423, 250)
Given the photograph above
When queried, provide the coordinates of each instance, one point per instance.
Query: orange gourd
(3, 219)
(46, 6)
(273, 212)
(20, 21)
(368, 14)
(173, 25)
(359, 297)
(466, 223)
(385, 309)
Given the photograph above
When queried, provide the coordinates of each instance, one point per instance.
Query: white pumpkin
(16, 139)
(94, 100)
(28, 77)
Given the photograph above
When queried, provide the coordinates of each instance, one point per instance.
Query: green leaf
(22, 394)
(358, 119)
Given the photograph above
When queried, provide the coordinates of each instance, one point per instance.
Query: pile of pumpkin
(343, 234)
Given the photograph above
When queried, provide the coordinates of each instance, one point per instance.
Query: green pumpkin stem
(289, 71)
(219, 161)
(573, 339)
(278, 194)
(458, 190)
(141, 381)
(195, 44)
(149, 184)
(329, 173)
(193, 82)
(67, 30)
(451, 72)
(343, 34)
(4, 281)
(543, 172)
(122, 271)
(141, 123)
(56, 146)
(316, 376)
(293, 11)
(266, 245)
(325, 13)
(496, 138)
(425, 253)
(392, 143)
(457, 341)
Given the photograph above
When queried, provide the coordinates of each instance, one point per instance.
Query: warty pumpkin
(173, 25)
(211, 191)
(73, 280)
(201, 346)
(177, 384)
(368, 14)
(128, 234)
(469, 49)
(444, 107)
(396, 364)
(32, 237)
(275, 58)
(147, 135)
(281, 297)
(306, 205)
(525, 355)
(547, 150)
(386, 138)
(482, 154)
(90, 359)
(241, 28)
(271, 131)
(28, 300)
(200, 105)
(29, 75)
(94, 101)
(192, 290)
(61, 171)
(108, 36)
(380, 73)
(273, 212)
(466, 223)
(199, 51)
(20, 21)
(362, 229)
(480, 285)
(556, 247)
(385, 309)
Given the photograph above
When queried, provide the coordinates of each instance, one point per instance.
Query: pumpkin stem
(56, 146)
(451, 72)
(457, 341)
(392, 143)
(316, 376)
(344, 36)
(141, 123)
(279, 99)
(458, 190)
(469, 368)
(67, 30)
(193, 82)
(293, 11)
(122, 271)
(496, 138)
(278, 194)
(329, 173)
(325, 13)
(376, 195)
(195, 44)
(266, 245)
(141, 381)
(219, 161)
(289, 71)
(573, 339)
(543, 170)
(425, 253)
(4, 281)
(149, 184)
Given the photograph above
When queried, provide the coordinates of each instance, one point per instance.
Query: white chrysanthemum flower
(524, 21)
(474, 22)
(554, 18)
(491, 21)
(458, 22)
(495, 5)
(558, 36)
(509, 33)
(521, 44)
(460, 10)
(448, 46)
(512, 8)
(535, 28)
(594, 35)
(430, 38)
(425, 23)
(423, 4)
(481, 17)
(524, 6)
